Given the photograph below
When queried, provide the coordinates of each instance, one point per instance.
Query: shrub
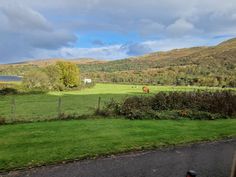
(36, 80)
(184, 113)
(135, 103)
(8, 91)
(2, 121)
(199, 115)
(114, 107)
(214, 102)
(111, 107)
(193, 105)
(167, 114)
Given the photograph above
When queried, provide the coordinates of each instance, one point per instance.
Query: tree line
(61, 76)
(199, 75)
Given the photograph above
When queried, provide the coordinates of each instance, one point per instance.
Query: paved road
(208, 159)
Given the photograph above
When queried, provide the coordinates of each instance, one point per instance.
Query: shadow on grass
(41, 107)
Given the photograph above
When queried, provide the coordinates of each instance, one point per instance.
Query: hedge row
(208, 105)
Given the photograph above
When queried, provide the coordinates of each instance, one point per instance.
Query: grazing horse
(145, 89)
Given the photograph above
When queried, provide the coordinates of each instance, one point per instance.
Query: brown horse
(145, 89)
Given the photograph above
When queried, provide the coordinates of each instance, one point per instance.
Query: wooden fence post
(99, 104)
(59, 107)
(13, 109)
(233, 170)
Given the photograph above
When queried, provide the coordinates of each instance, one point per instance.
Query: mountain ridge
(181, 52)
(211, 66)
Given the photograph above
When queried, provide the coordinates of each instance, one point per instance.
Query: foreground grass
(32, 144)
(44, 106)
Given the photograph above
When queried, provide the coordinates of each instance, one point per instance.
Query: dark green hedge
(193, 105)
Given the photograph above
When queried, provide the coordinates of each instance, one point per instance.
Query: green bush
(8, 91)
(2, 121)
(199, 115)
(214, 102)
(135, 103)
(169, 115)
(111, 107)
(192, 105)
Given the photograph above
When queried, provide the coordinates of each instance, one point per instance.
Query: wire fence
(40, 107)
(14, 109)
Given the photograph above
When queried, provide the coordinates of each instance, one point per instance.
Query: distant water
(10, 78)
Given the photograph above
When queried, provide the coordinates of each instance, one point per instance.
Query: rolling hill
(21, 68)
(224, 52)
(211, 66)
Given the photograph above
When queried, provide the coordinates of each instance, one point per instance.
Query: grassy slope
(44, 106)
(215, 55)
(212, 66)
(34, 65)
(197, 62)
(33, 144)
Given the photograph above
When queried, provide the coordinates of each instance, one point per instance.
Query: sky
(110, 29)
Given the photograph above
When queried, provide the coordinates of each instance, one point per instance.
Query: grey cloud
(151, 17)
(19, 17)
(23, 30)
(51, 40)
(13, 46)
(36, 25)
(138, 49)
(149, 27)
(98, 43)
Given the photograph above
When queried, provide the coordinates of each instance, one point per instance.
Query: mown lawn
(24, 145)
(44, 106)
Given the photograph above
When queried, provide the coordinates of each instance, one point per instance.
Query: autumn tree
(54, 74)
(54, 77)
(69, 74)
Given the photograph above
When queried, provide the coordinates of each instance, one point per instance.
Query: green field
(31, 144)
(32, 107)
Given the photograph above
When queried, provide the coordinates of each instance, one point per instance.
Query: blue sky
(102, 38)
(110, 29)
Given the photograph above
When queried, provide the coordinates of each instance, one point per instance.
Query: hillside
(31, 65)
(46, 62)
(225, 51)
(210, 66)
(153, 60)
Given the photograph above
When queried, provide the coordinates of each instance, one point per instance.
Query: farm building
(87, 81)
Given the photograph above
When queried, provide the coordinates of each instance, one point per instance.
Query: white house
(87, 81)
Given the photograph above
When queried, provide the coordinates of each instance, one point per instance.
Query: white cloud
(30, 26)
(181, 27)
(107, 52)
(123, 51)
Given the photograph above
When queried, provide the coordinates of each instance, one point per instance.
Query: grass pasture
(30, 107)
(40, 143)
(33, 144)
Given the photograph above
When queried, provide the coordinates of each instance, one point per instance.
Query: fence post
(59, 107)
(233, 170)
(13, 109)
(99, 104)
